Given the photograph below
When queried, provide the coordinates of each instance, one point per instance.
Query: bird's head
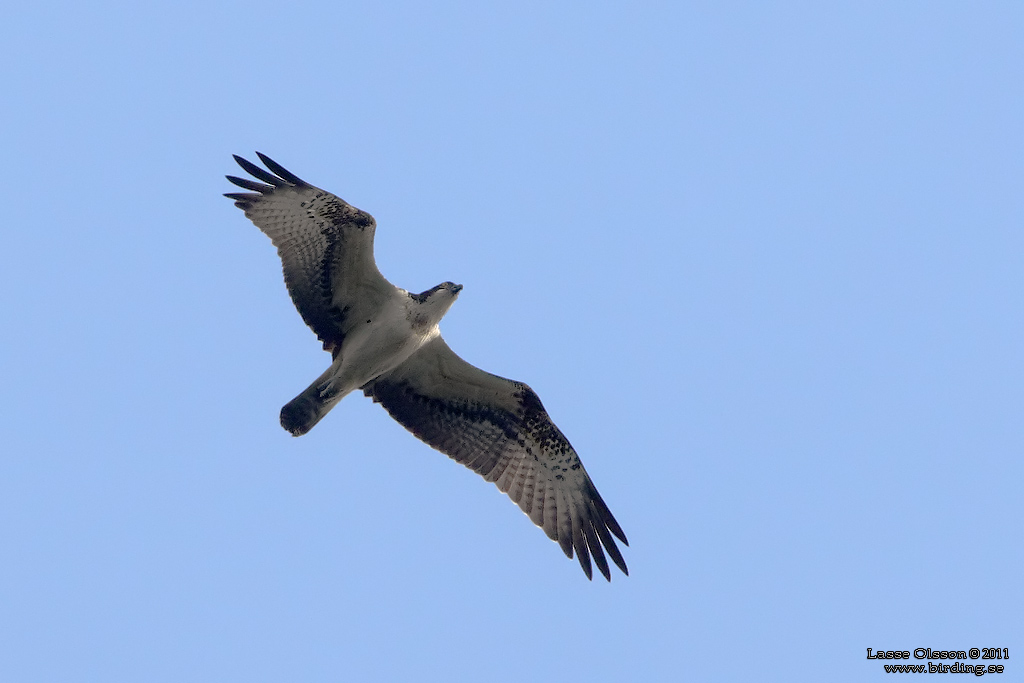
(436, 301)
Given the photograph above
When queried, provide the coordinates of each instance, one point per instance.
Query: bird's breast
(376, 347)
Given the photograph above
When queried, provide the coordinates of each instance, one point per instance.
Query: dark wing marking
(325, 245)
(499, 429)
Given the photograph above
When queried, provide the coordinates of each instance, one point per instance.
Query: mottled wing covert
(325, 245)
(499, 429)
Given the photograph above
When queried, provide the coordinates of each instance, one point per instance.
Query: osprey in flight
(385, 341)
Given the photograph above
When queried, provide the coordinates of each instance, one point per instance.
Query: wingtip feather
(257, 172)
(580, 544)
(280, 170)
(250, 184)
(596, 551)
(585, 563)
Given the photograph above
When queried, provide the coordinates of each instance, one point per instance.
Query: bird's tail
(302, 413)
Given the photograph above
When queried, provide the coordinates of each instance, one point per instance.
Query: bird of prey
(386, 342)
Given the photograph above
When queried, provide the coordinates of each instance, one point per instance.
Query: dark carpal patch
(342, 215)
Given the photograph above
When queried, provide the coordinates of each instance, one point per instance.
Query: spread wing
(499, 429)
(325, 245)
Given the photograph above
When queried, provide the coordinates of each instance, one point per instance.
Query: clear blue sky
(764, 263)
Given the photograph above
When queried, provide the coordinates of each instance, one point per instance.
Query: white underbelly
(372, 349)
